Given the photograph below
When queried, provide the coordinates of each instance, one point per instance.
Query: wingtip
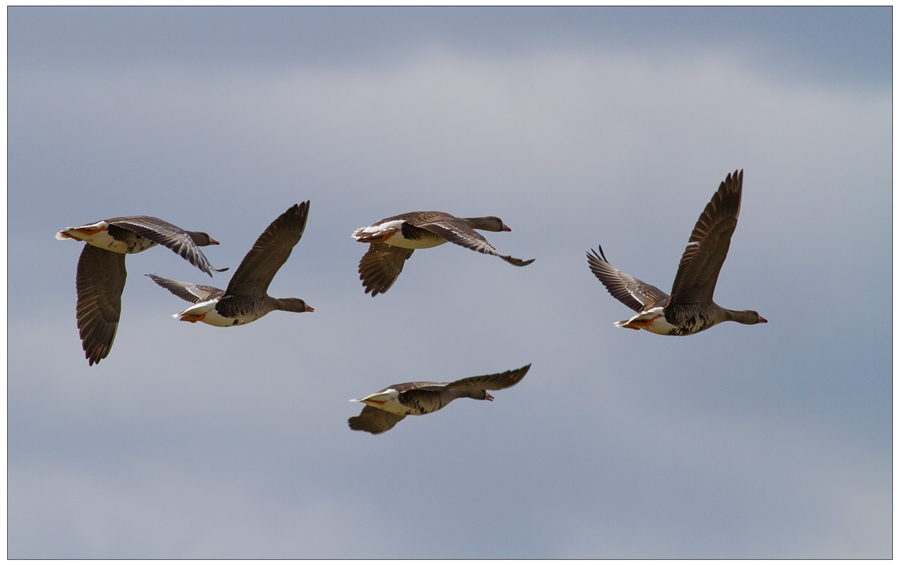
(302, 207)
(515, 261)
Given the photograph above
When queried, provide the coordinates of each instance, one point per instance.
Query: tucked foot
(377, 237)
(193, 318)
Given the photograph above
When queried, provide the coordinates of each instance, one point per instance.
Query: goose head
(487, 223)
(293, 305)
(202, 239)
(478, 394)
(748, 317)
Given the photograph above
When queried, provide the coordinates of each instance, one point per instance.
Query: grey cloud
(193, 441)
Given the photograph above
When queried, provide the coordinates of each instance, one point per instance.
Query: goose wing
(167, 235)
(496, 381)
(381, 265)
(426, 386)
(702, 260)
(191, 292)
(99, 282)
(457, 231)
(269, 253)
(632, 292)
(374, 421)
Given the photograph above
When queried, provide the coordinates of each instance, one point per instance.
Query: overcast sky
(577, 127)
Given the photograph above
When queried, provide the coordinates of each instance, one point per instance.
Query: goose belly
(397, 240)
(394, 407)
(661, 326)
(386, 400)
(98, 235)
(392, 234)
(654, 321)
(207, 313)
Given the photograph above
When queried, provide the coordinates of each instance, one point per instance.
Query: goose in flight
(393, 240)
(388, 406)
(246, 300)
(100, 277)
(690, 307)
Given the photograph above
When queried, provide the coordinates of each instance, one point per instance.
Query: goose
(246, 300)
(393, 240)
(100, 277)
(690, 308)
(388, 406)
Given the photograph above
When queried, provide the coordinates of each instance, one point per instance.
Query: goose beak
(487, 396)
(763, 320)
(505, 228)
(309, 308)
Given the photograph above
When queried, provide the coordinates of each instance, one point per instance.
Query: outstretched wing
(457, 231)
(374, 421)
(702, 260)
(191, 292)
(496, 381)
(99, 283)
(269, 253)
(168, 235)
(632, 292)
(381, 265)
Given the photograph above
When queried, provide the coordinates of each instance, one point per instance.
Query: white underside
(213, 317)
(397, 239)
(659, 324)
(102, 239)
(385, 400)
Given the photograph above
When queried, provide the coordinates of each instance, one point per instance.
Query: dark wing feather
(702, 260)
(381, 265)
(416, 385)
(496, 381)
(99, 283)
(419, 218)
(191, 292)
(168, 235)
(457, 231)
(632, 292)
(374, 421)
(268, 254)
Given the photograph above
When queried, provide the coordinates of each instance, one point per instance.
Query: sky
(576, 126)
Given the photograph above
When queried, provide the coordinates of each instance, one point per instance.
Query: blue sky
(577, 127)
